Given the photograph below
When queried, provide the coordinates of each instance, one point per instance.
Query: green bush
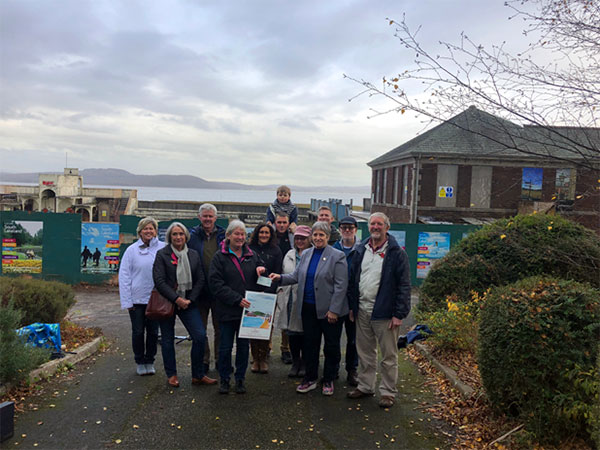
(509, 250)
(39, 300)
(454, 328)
(16, 358)
(537, 337)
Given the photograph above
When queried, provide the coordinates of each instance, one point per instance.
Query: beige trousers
(370, 334)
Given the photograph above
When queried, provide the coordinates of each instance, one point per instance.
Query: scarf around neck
(184, 273)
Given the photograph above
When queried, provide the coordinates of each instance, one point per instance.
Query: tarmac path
(102, 403)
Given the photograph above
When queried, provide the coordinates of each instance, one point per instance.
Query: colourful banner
(99, 247)
(22, 246)
(430, 247)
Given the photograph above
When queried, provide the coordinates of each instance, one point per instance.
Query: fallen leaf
(118, 441)
(135, 427)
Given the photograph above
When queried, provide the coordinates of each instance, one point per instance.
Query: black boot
(239, 387)
(224, 387)
(293, 373)
(302, 370)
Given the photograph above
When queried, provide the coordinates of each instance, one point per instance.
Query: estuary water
(235, 195)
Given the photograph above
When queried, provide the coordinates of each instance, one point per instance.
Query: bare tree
(547, 97)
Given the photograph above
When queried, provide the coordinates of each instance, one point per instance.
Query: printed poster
(99, 247)
(257, 320)
(531, 185)
(431, 247)
(22, 246)
(400, 236)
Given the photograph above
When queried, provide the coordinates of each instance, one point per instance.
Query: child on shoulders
(283, 204)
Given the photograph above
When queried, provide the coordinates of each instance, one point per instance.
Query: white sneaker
(141, 369)
(150, 370)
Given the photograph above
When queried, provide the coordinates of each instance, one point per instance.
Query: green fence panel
(61, 243)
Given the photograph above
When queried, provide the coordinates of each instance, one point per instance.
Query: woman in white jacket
(287, 317)
(135, 287)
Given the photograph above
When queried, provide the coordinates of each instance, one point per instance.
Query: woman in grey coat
(322, 278)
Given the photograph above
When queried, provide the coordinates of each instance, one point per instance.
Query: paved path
(104, 404)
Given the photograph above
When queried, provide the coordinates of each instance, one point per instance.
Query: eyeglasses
(300, 238)
(347, 227)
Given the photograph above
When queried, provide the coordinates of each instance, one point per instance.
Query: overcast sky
(244, 91)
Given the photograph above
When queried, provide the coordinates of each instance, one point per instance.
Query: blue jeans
(229, 330)
(192, 321)
(144, 354)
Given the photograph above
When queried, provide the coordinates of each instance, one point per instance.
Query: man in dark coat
(206, 239)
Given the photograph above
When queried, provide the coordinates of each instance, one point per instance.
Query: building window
(405, 185)
(384, 190)
(531, 185)
(396, 173)
(377, 186)
(565, 184)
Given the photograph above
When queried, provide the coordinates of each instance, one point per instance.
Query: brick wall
(463, 188)
(506, 187)
(428, 185)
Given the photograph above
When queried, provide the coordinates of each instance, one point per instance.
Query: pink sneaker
(306, 386)
(328, 388)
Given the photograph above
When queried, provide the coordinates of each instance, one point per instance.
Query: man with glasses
(348, 244)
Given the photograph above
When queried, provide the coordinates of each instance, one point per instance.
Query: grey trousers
(369, 335)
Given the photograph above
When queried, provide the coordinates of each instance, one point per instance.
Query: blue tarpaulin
(45, 335)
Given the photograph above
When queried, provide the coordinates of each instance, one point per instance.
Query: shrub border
(53, 366)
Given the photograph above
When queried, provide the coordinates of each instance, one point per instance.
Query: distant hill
(120, 177)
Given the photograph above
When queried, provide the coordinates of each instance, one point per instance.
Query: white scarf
(184, 273)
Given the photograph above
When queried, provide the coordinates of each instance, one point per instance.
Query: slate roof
(475, 133)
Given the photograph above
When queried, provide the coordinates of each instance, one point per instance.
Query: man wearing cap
(205, 239)
(379, 296)
(348, 244)
(325, 215)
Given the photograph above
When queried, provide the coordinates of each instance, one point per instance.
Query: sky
(244, 91)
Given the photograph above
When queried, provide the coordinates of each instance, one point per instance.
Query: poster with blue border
(99, 247)
(431, 247)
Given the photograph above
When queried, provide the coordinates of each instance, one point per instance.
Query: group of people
(324, 281)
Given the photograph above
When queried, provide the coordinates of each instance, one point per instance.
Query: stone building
(466, 170)
(65, 193)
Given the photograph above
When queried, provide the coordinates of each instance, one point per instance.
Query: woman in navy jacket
(178, 276)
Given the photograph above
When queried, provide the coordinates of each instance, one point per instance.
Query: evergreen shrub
(39, 300)
(16, 358)
(509, 250)
(539, 339)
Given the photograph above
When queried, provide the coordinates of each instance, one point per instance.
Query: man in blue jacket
(206, 239)
(348, 244)
(379, 296)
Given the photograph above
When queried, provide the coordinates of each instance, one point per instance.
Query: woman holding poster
(179, 277)
(233, 271)
(322, 278)
(135, 286)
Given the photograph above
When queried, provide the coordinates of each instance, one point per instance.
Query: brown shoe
(357, 393)
(264, 367)
(204, 380)
(173, 381)
(255, 367)
(386, 401)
